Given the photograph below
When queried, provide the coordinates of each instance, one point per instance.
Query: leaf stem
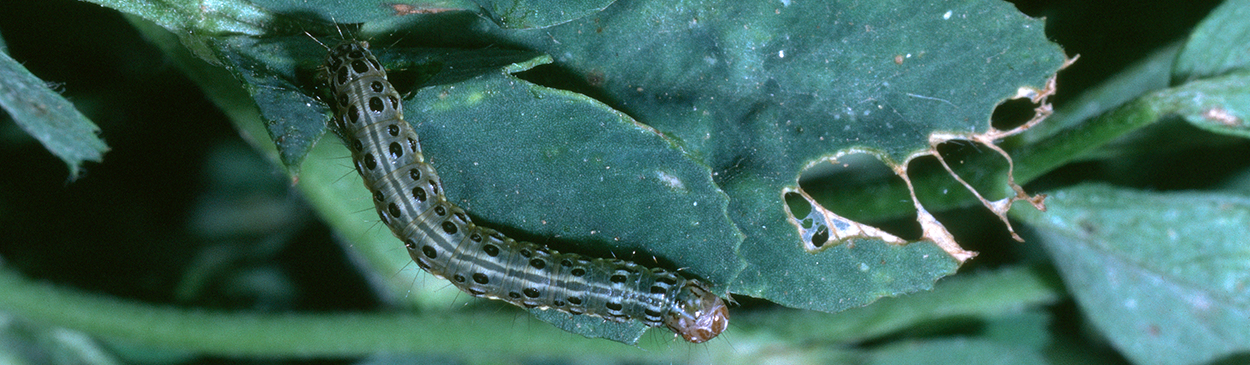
(225, 333)
(495, 337)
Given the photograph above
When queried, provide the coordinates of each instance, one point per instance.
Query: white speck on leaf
(672, 181)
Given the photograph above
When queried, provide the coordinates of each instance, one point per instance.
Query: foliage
(679, 130)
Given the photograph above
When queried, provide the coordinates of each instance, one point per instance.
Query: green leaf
(626, 169)
(48, 117)
(1220, 44)
(295, 120)
(724, 76)
(974, 297)
(1163, 275)
(525, 14)
(194, 19)
(627, 187)
(23, 342)
(1218, 104)
(614, 182)
(281, 74)
(956, 351)
(761, 90)
(713, 110)
(624, 332)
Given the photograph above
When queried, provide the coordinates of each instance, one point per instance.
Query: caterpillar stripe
(442, 239)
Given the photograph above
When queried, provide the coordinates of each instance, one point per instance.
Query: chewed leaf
(760, 91)
(708, 114)
(821, 228)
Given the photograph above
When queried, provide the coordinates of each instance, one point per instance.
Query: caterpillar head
(698, 315)
(350, 61)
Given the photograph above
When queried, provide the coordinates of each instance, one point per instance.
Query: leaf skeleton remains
(442, 239)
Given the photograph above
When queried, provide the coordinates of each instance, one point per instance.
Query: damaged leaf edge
(837, 229)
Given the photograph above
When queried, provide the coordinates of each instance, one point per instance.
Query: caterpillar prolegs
(442, 239)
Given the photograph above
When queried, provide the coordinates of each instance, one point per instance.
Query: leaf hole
(813, 228)
(856, 188)
(408, 79)
(1012, 113)
(980, 167)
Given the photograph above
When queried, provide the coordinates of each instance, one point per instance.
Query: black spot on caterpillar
(443, 240)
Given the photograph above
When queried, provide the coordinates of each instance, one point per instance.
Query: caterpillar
(442, 239)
